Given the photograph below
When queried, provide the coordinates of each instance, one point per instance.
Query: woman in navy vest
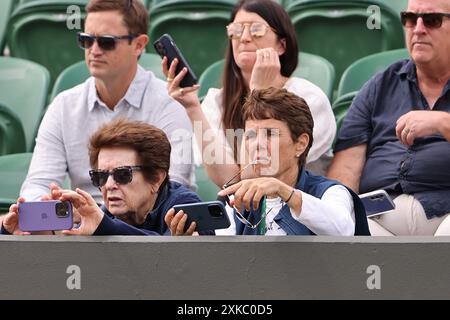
(276, 195)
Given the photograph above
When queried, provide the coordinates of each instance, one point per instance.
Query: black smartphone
(377, 202)
(166, 47)
(208, 215)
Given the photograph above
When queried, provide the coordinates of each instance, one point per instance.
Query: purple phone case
(41, 216)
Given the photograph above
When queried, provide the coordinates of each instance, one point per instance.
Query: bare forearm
(219, 165)
(347, 166)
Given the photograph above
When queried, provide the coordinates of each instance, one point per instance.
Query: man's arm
(347, 166)
(445, 127)
(49, 163)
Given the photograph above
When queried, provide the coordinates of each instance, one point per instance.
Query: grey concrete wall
(225, 267)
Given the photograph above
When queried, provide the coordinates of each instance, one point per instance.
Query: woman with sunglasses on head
(131, 162)
(276, 194)
(262, 53)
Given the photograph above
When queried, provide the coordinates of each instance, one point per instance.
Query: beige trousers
(408, 219)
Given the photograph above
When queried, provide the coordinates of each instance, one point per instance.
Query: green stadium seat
(360, 71)
(78, 72)
(6, 7)
(23, 88)
(38, 31)
(12, 136)
(311, 67)
(197, 27)
(13, 171)
(337, 29)
(207, 190)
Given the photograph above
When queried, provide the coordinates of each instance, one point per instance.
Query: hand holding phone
(376, 202)
(45, 215)
(165, 46)
(208, 215)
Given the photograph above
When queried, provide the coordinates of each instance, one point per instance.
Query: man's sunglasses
(432, 20)
(107, 43)
(121, 175)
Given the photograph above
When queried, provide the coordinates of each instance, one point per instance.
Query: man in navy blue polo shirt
(396, 134)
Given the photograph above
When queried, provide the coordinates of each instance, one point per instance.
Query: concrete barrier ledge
(224, 268)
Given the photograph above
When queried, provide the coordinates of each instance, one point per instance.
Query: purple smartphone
(45, 215)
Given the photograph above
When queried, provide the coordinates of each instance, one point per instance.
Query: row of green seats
(337, 30)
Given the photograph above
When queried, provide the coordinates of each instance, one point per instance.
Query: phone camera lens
(215, 211)
(62, 209)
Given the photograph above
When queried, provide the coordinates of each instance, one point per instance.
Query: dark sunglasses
(121, 175)
(432, 20)
(85, 40)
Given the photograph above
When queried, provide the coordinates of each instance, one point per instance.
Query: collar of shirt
(409, 71)
(133, 96)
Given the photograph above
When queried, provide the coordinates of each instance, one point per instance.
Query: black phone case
(165, 46)
(199, 213)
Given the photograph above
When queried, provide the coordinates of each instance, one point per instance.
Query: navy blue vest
(315, 186)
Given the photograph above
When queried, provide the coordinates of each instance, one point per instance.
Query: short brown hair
(135, 15)
(282, 105)
(151, 144)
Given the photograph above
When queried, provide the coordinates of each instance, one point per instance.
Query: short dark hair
(135, 15)
(282, 105)
(150, 143)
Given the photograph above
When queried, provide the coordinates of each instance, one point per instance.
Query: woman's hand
(11, 219)
(55, 193)
(251, 191)
(266, 71)
(176, 222)
(186, 96)
(90, 213)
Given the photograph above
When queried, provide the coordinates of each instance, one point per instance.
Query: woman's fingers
(172, 69)
(180, 225)
(86, 196)
(165, 69)
(169, 216)
(191, 229)
(72, 232)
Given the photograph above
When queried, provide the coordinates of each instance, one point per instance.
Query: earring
(297, 155)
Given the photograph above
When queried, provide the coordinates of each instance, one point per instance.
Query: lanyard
(262, 225)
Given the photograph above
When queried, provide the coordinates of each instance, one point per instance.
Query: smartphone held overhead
(165, 46)
(45, 216)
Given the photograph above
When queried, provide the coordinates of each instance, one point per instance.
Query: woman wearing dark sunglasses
(262, 53)
(131, 161)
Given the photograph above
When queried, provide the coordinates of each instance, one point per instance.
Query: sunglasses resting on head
(431, 20)
(106, 42)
